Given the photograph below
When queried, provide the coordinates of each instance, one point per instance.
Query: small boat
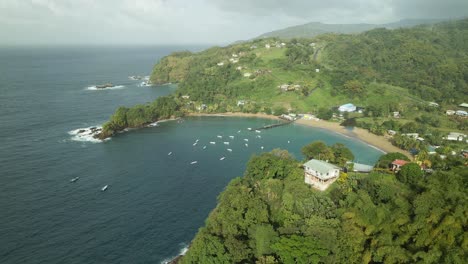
(230, 150)
(194, 162)
(74, 179)
(226, 143)
(258, 131)
(258, 136)
(194, 144)
(246, 140)
(222, 158)
(104, 188)
(238, 131)
(219, 136)
(289, 142)
(231, 136)
(261, 147)
(170, 153)
(204, 147)
(246, 145)
(249, 128)
(212, 142)
(197, 140)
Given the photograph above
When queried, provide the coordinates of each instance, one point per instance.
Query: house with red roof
(397, 164)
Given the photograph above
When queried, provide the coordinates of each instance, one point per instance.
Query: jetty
(275, 125)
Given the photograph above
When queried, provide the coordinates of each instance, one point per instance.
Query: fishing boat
(212, 142)
(249, 128)
(219, 136)
(195, 143)
(226, 143)
(258, 131)
(222, 158)
(194, 162)
(231, 137)
(246, 140)
(170, 153)
(204, 147)
(246, 145)
(74, 179)
(261, 147)
(230, 150)
(104, 188)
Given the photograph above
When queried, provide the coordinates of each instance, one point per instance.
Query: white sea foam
(182, 252)
(94, 88)
(155, 124)
(86, 134)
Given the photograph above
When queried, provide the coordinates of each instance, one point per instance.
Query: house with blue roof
(347, 108)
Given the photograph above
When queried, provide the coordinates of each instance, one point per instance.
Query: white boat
(226, 143)
(212, 142)
(197, 140)
(258, 136)
(246, 140)
(204, 147)
(104, 188)
(289, 142)
(231, 136)
(249, 128)
(246, 145)
(195, 143)
(258, 131)
(219, 136)
(261, 147)
(238, 131)
(194, 162)
(75, 179)
(230, 150)
(222, 158)
(170, 153)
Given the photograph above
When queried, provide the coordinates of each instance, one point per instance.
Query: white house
(454, 136)
(317, 70)
(411, 135)
(320, 174)
(240, 102)
(267, 46)
(235, 55)
(220, 64)
(464, 105)
(239, 68)
(461, 113)
(185, 96)
(347, 108)
(247, 74)
(433, 104)
(450, 112)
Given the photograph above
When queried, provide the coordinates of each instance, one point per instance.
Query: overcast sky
(194, 21)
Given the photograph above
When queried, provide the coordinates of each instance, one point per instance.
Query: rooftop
(320, 165)
(399, 162)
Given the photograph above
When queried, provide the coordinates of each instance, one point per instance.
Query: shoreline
(378, 142)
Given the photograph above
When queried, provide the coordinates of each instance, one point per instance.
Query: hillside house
(397, 164)
(320, 174)
(267, 46)
(391, 132)
(247, 74)
(464, 105)
(411, 135)
(433, 104)
(454, 136)
(461, 113)
(220, 64)
(396, 114)
(450, 112)
(347, 108)
(241, 103)
(317, 70)
(185, 96)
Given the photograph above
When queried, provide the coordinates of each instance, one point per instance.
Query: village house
(433, 104)
(185, 96)
(461, 113)
(347, 108)
(396, 114)
(450, 112)
(247, 74)
(239, 68)
(464, 105)
(235, 55)
(240, 102)
(267, 46)
(220, 63)
(397, 164)
(320, 174)
(391, 132)
(454, 136)
(411, 135)
(317, 70)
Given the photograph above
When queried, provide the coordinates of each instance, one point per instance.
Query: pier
(274, 125)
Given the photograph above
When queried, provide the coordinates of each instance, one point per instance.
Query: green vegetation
(271, 216)
(382, 71)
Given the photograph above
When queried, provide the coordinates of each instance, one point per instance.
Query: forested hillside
(271, 216)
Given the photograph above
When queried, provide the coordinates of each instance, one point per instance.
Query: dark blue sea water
(155, 202)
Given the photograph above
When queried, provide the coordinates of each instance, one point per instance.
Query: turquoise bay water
(155, 202)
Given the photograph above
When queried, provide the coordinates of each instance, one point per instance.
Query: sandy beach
(379, 142)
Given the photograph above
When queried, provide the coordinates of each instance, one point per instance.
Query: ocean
(155, 201)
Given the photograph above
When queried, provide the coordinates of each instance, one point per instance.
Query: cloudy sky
(194, 21)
